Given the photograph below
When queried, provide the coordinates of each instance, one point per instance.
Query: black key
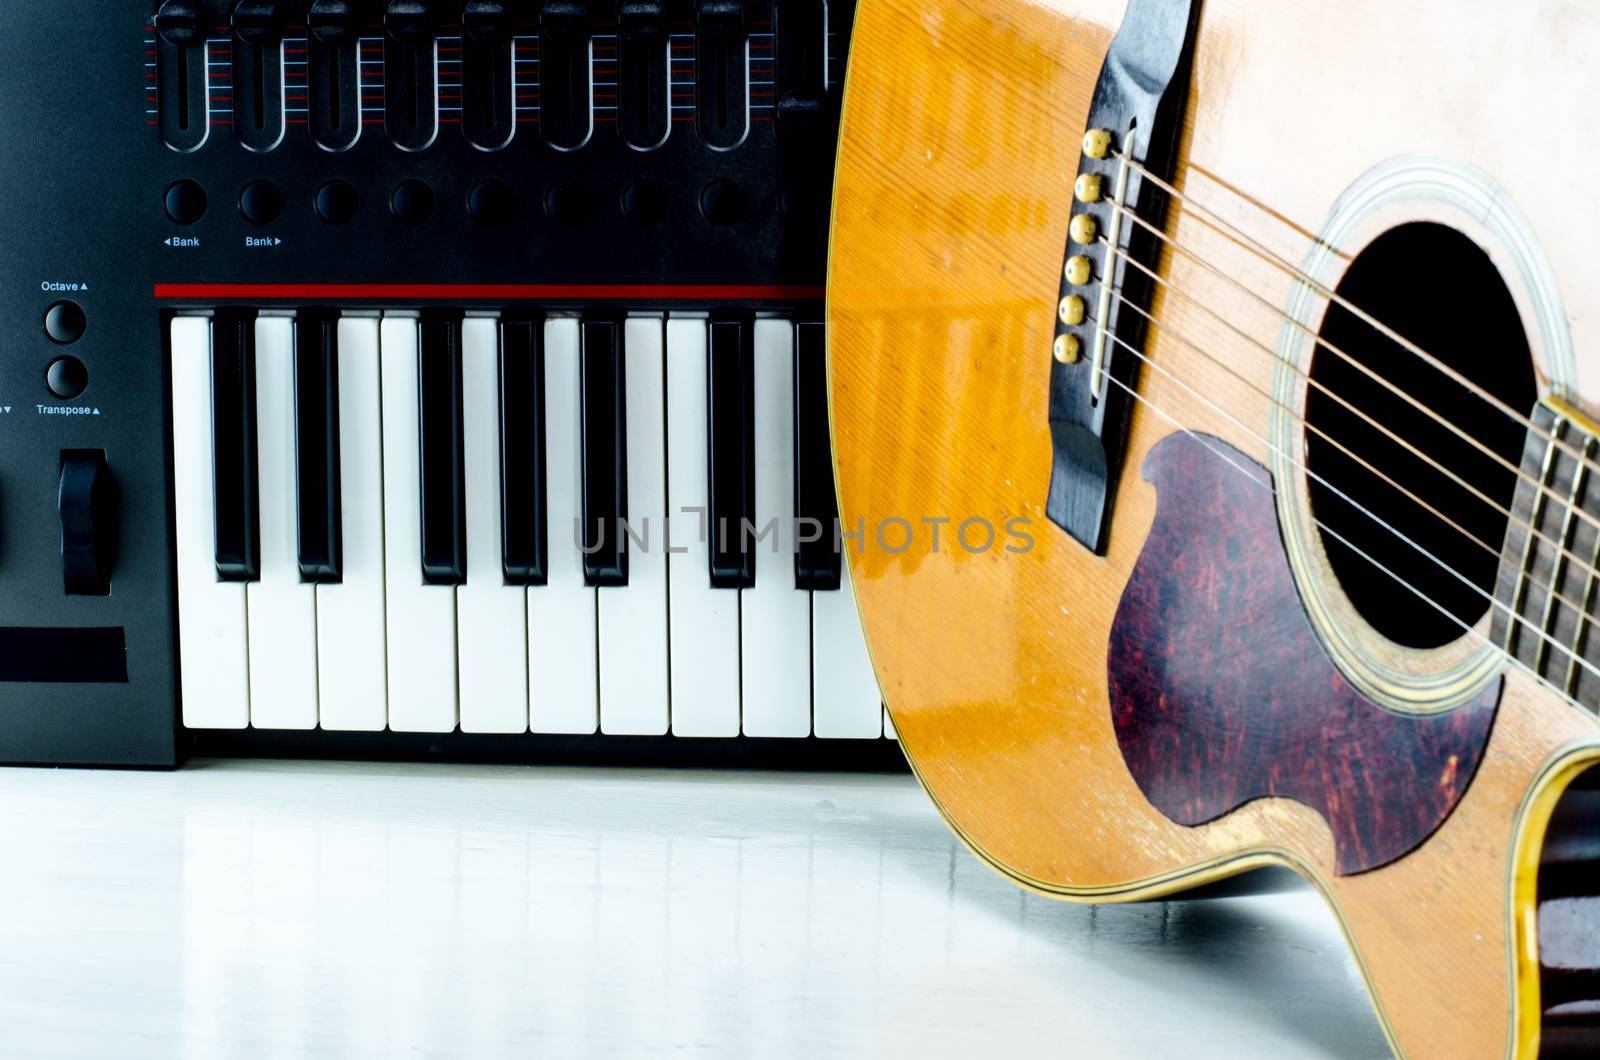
(644, 112)
(488, 96)
(443, 487)
(565, 114)
(237, 513)
(316, 445)
(410, 78)
(523, 529)
(334, 74)
(731, 451)
(257, 70)
(722, 77)
(816, 505)
(605, 454)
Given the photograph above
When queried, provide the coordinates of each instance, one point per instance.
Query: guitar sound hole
(1439, 290)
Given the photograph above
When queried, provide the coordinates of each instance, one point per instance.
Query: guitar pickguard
(1221, 692)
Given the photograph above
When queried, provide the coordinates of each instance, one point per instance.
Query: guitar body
(1198, 696)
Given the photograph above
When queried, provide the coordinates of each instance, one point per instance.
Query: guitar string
(1271, 487)
(1493, 600)
(1513, 519)
(1212, 220)
(1454, 428)
(1388, 385)
(1530, 579)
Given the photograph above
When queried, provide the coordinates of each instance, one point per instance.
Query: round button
(186, 202)
(66, 377)
(337, 202)
(489, 201)
(412, 202)
(644, 202)
(261, 202)
(64, 322)
(566, 202)
(722, 202)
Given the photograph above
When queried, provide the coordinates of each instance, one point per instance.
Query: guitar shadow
(1259, 950)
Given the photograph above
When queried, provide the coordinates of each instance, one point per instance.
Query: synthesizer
(422, 377)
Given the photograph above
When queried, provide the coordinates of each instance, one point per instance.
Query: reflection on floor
(253, 908)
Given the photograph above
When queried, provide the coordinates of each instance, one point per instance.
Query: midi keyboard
(418, 378)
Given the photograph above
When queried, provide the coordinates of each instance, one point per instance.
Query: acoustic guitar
(1214, 391)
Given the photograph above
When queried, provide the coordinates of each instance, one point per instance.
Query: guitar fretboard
(1547, 576)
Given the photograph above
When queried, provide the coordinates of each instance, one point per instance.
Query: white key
(563, 695)
(492, 617)
(776, 617)
(888, 725)
(704, 621)
(421, 617)
(845, 694)
(633, 620)
(212, 640)
(283, 609)
(351, 655)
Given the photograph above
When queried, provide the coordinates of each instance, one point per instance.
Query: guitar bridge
(1134, 122)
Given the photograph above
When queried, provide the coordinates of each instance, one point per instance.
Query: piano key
(775, 622)
(703, 620)
(525, 533)
(282, 609)
(316, 444)
(730, 379)
(421, 616)
(233, 444)
(491, 616)
(888, 726)
(351, 639)
(605, 448)
(633, 620)
(444, 536)
(213, 647)
(845, 696)
(817, 559)
(562, 653)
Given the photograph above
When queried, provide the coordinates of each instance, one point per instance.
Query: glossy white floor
(260, 909)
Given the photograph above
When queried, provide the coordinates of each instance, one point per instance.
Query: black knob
(178, 22)
(67, 377)
(490, 201)
(258, 22)
(644, 202)
(486, 21)
(566, 202)
(87, 501)
(722, 202)
(721, 19)
(642, 20)
(332, 21)
(409, 21)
